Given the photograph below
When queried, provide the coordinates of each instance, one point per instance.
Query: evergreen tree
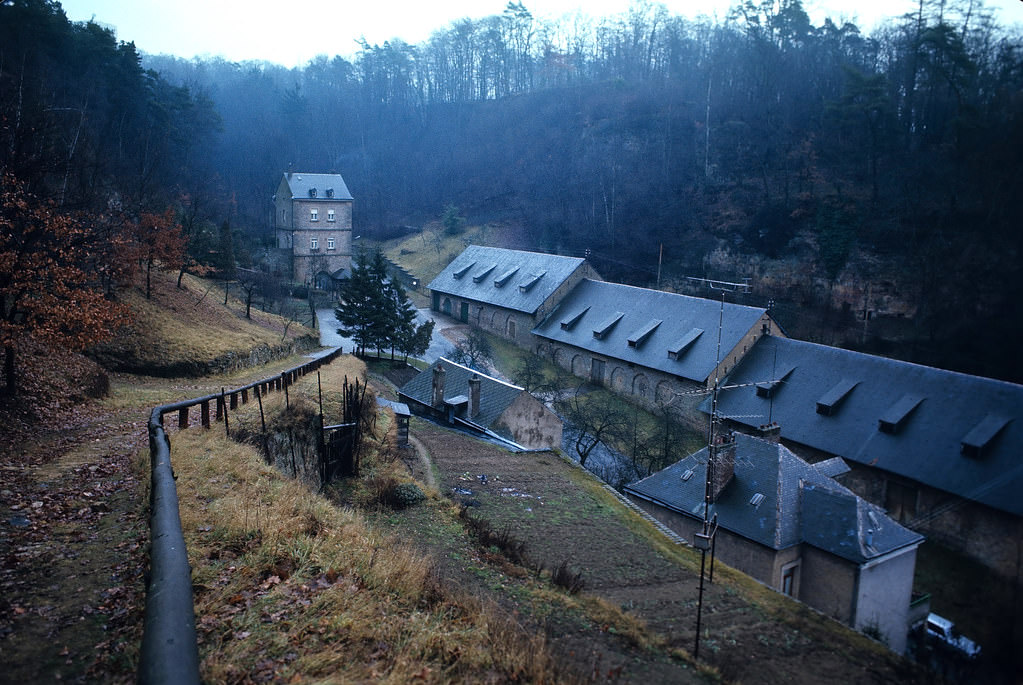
(361, 297)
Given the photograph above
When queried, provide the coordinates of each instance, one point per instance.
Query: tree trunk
(9, 371)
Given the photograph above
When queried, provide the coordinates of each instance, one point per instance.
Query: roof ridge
(892, 360)
(480, 373)
(668, 293)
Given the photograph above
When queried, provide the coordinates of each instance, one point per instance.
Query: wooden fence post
(183, 417)
(227, 426)
(204, 409)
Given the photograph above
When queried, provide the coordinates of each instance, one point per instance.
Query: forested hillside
(843, 172)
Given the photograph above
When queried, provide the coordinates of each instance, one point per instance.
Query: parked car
(945, 632)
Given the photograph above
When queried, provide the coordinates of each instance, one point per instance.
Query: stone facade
(646, 387)
(530, 424)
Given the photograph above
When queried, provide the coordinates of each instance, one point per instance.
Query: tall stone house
(313, 226)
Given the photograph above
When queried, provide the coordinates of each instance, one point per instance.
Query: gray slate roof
(797, 503)
(495, 395)
(513, 279)
(301, 183)
(672, 333)
(910, 420)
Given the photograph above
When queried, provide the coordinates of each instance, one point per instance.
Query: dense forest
(871, 186)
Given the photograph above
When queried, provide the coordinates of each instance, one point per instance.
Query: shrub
(566, 578)
(406, 495)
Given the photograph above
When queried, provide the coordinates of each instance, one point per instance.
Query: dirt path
(74, 533)
(72, 541)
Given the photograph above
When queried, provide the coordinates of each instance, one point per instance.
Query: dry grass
(427, 252)
(190, 331)
(289, 584)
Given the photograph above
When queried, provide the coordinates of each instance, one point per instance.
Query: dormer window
(829, 403)
(640, 336)
(330, 215)
(505, 277)
(768, 388)
(330, 192)
(482, 275)
(314, 215)
(532, 280)
(568, 322)
(312, 192)
(895, 418)
(687, 340)
(979, 439)
(601, 331)
(463, 270)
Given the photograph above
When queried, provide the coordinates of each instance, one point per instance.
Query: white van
(945, 631)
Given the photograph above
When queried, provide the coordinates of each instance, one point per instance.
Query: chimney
(722, 464)
(474, 396)
(770, 432)
(437, 397)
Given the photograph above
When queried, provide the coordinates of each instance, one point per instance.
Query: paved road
(439, 345)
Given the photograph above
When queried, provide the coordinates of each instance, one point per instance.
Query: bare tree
(595, 417)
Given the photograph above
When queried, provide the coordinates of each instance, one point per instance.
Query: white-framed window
(330, 243)
(330, 215)
(314, 215)
(314, 243)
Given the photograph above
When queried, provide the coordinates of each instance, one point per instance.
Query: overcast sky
(292, 33)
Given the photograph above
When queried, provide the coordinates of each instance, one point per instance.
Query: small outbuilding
(788, 524)
(477, 402)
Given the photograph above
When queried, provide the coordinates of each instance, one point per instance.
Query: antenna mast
(706, 539)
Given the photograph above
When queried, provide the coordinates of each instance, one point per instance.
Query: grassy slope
(425, 254)
(189, 330)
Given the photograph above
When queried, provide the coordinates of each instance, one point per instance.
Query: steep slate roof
(512, 279)
(301, 183)
(675, 334)
(796, 503)
(915, 421)
(495, 395)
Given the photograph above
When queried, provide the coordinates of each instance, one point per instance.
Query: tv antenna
(705, 540)
(723, 286)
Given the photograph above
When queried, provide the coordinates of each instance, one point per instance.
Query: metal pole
(699, 606)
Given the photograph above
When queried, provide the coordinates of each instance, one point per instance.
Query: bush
(566, 578)
(406, 495)
(487, 536)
